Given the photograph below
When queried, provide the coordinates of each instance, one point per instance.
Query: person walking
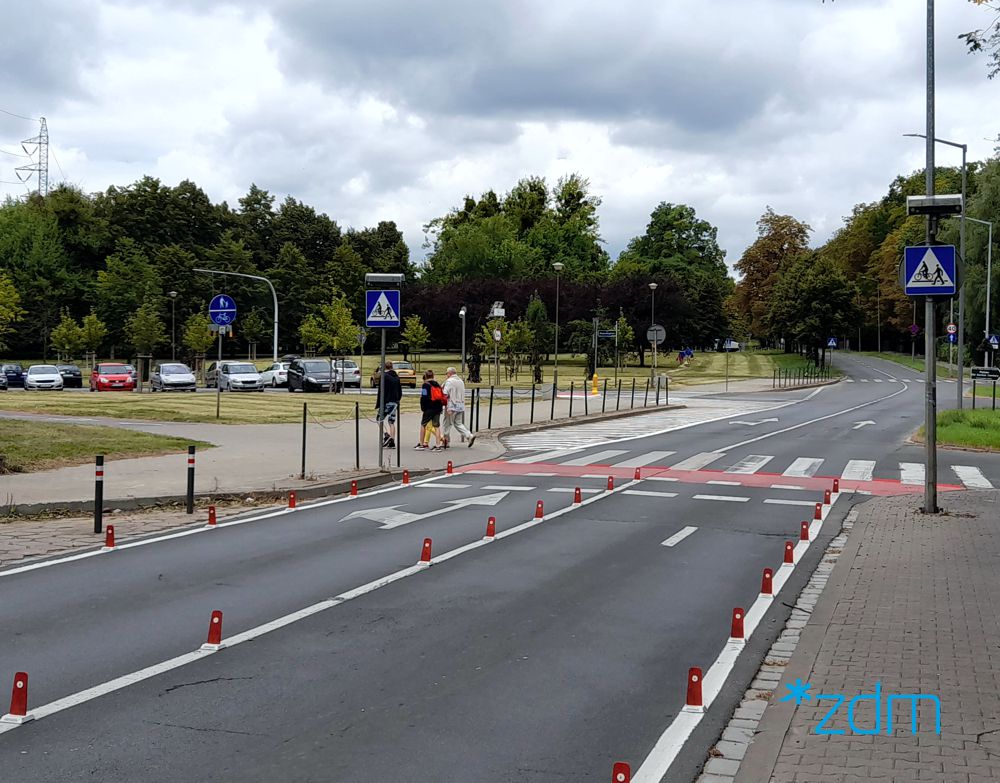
(454, 412)
(393, 396)
(432, 401)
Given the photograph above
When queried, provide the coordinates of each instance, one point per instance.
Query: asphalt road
(545, 655)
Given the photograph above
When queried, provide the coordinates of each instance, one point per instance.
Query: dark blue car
(14, 374)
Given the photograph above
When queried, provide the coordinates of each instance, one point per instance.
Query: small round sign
(656, 334)
(952, 329)
(914, 330)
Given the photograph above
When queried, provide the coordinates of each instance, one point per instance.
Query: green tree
(145, 329)
(122, 286)
(67, 338)
(537, 319)
(626, 336)
(10, 307)
(253, 327)
(986, 39)
(415, 335)
(197, 335)
(92, 331)
(332, 327)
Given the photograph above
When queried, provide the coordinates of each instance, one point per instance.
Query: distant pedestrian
(454, 412)
(432, 402)
(393, 396)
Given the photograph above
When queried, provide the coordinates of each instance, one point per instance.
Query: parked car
(43, 376)
(130, 369)
(233, 376)
(111, 376)
(309, 375)
(3, 382)
(347, 372)
(275, 375)
(14, 375)
(71, 375)
(172, 376)
(407, 375)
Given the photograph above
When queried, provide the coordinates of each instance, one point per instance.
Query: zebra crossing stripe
(803, 467)
(972, 477)
(600, 458)
(698, 461)
(911, 472)
(649, 458)
(859, 470)
(545, 456)
(750, 464)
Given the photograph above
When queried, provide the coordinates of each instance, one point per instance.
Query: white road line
(481, 472)
(849, 380)
(650, 493)
(730, 498)
(972, 477)
(661, 478)
(864, 380)
(511, 488)
(782, 502)
(803, 467)
(911, 472)
(877, 380)
(698, 461)
(571, 490)
(727, 483)
(545, 456)
(594, 475)
(443, 486)
(540, 475)
(649, 458)
(859, 470)
(679, 536)
(599, 458)
(750, 464)
(787, 486)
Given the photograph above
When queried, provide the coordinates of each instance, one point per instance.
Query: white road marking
(787, 486)
(911, 472)
(650, 493)
(679, 536)
(698, 461)
(972, 477)
(849, 380)
(599, 458)
(391, 517)
(864, 380)
(443, 486)
(750, 464)
(510, 488)
(860, 424)
(594, 475)
(730, 498)
(859, 470)
(782, 502)
(571, 490)
(540, 475)
(649, 458)
(803, 467)
(727, 483)
(877, 380)
(545, 456)
(481, 472)
(661, 478)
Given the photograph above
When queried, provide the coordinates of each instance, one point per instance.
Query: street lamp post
(461, 314)
(274, 296)
(555, 370)
(652, 318)
(173, 330)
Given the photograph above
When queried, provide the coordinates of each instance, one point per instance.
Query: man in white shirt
(454, 412)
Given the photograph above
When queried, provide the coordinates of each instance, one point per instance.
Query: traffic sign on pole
(930, 270)
(952, 329)
(222, 310)
(914, 330)
(986, 373)
(994, 342)
(831, 342)
(953, 338)
(606, 333)
(656, 334)
(382, 308)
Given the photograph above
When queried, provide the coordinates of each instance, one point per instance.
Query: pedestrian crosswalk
(858, 470)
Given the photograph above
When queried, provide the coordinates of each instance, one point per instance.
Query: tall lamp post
(555, 371)
(961, 235)
(652, 319)
(274, 296)
(461, 314)
(173, 330)
(989, 275)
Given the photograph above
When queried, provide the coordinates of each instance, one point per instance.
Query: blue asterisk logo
(799, 692)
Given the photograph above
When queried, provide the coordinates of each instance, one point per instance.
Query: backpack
(438, 395)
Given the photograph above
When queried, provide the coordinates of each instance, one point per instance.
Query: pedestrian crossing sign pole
(382, 311)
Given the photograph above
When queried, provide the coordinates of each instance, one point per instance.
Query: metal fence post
(99, 494)
(357, 435)
(571, 385)
(994, 395)
(511, 406)
(604, 396)
(973, 393)
(304, 414)
(552, 409)
(190, 480)
(632, 404)
(489, 416)
(657, 397)
(645, 397)
(531, 419)
(618, 401)
(586, 405)
(479, 411)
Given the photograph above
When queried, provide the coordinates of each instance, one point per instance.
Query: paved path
(912, 604)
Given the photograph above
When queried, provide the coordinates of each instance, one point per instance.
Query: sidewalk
(913, 603)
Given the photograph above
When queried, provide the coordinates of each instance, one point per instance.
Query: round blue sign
(222, 310)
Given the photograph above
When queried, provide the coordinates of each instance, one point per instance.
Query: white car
(234, 376)
(347, 372)
(275, 375)
(43, 376)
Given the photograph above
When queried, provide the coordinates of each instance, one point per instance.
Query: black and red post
(190, 486)
(99, 494)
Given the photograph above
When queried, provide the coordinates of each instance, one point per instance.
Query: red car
(111, 377)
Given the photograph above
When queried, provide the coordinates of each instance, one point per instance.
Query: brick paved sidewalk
(913, 603)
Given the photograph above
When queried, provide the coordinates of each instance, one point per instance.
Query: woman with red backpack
(432, 402)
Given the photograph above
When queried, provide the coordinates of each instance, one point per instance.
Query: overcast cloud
(395, 109)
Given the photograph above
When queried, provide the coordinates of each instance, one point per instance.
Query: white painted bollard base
(16, 719)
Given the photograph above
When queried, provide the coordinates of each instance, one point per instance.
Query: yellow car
(407, 375)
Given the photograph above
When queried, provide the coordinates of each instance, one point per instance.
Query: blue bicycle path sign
(222, 310)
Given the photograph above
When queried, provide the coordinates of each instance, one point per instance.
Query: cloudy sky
(395, 109)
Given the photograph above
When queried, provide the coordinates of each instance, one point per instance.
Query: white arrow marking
(390, 517)
(859, 424)
(753, 423)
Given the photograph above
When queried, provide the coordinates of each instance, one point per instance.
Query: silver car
(347, 373)
(234, 376)
(275, 375)
(43, 376)
(172, 376)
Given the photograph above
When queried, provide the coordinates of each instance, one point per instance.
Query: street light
(274, 296)
(961, 253)
(461, 314)
(173, 331)
(989, 268)
(555, 371)
(652, 318)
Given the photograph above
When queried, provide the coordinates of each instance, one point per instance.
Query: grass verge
(977, 429)
(27, 446)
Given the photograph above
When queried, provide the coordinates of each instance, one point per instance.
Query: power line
(61, 172)
(15, 154)
(19, 116)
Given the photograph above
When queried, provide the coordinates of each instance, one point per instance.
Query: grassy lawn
(978, 429)
(29, 445)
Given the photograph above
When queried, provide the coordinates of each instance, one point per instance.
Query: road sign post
(222, 312)
(656, 334)
(382, 312)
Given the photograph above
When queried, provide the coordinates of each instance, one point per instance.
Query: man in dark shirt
(393, 395)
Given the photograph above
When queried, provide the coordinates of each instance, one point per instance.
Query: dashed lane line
(729, 498)
(679, 536)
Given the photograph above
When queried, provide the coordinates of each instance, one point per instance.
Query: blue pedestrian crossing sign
(930, 270)
(952, 338)
(994, 342)
(222, 310)
(382, 309)
(831, 343)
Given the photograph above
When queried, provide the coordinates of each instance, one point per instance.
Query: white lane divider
(177, 662)
(729, 498)
(509, 488)
(782, 502)
(571, 490)
(679, 536)
(788, 486)
(443, 486)
(650, 493)
(725, 483)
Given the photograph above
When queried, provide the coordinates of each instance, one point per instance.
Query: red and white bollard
(789, 554)
(826, 497)
(211, 516)
(736, 629)
(291, 499)
(693, 702)
(18, 701)
(577, 495)
(621, 773)
(109, 539)
(406, 476)
(354, 489)
(804, 532)
(214, 633)
(611, 483)
(836, 486)
(638, 475)
(818, 513)
(491, 529)
(425, 553)
(451, 468)
(539, 510)
(767, 582)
